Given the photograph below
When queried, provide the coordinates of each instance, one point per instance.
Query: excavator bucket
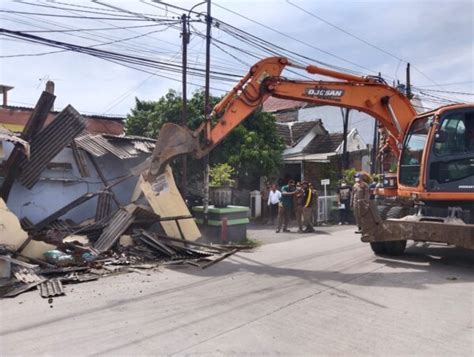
(173, 141)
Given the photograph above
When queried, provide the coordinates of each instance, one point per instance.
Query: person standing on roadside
(360, 193)
(274, 198)
(314, 208)
(298, 203)
(372, 187)
(344, 193)
(307, 198)
(286, 205)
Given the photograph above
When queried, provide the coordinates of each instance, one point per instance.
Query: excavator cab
(437, 159)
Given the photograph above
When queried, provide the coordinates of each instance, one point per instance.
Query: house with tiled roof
(313, 154)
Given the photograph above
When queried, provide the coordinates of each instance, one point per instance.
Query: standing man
(286, 205)
(307, 204)
(274, 198)
(372, 187)
(298, 203)
(360, 193)
(344, 202)
(314, 208)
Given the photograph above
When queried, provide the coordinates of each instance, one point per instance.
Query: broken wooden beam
(222, 257)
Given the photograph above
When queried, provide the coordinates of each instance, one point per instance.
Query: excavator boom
(367, 94)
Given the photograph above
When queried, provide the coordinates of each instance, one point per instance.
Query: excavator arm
(366, 94)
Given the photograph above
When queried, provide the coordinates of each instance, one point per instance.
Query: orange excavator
(431, 198)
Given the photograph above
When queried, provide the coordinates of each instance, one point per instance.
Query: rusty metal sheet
(50, 288)
(49, 142)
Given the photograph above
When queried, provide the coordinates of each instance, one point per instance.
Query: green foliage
(349, 176)
(147, 118)
(221, 175)
(253, 148)
(393, 167)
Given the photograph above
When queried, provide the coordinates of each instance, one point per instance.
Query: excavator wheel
(391, 248)
(378, 247)
(396, 247)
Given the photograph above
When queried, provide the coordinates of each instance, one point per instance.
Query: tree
(148, 117)
(253, 148)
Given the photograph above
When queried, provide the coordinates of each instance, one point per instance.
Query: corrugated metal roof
(104, 206)
(123, 147)
(50, 288)
(25, 275)
(49, 142)
(80, 159)
(98, 146)
(117, 225)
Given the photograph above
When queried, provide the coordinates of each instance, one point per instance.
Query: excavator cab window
(456, 133)
(451, 163)
(412, 153)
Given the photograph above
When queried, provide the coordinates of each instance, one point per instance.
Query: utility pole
(207, 109)
(184, 115)
(409, 93)
(345, 124)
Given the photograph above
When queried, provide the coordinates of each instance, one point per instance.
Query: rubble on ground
(153, 228)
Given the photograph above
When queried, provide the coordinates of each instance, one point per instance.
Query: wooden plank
(166, 201)
(222, 257)
(196, 244)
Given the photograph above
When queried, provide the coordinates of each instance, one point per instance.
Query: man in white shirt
(274, 197)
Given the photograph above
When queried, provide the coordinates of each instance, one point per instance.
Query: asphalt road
(308, 295)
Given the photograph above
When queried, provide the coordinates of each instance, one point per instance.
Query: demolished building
(77, 205)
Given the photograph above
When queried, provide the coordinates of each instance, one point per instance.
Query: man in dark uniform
(286, 205)
(344, 193)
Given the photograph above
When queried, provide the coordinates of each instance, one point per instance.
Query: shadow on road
(423, 265)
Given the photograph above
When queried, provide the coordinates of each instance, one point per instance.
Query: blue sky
(435, 36)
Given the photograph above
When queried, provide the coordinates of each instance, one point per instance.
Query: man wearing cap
(360, 192)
